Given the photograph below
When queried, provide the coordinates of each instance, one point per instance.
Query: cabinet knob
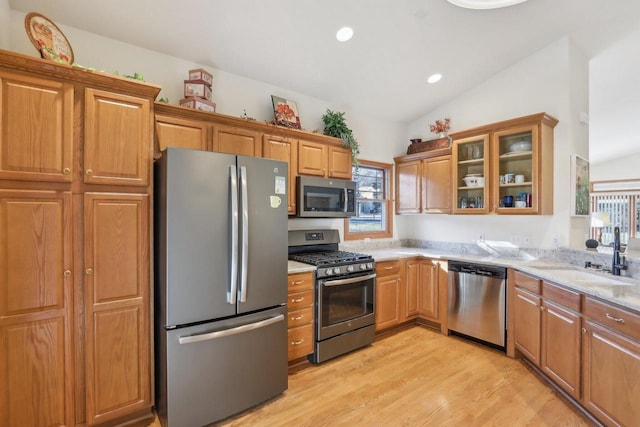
(584, 330)
(66, 171)
(300, 341)
(67, 273)
(89, 271)
(89, 172)
(542, 308)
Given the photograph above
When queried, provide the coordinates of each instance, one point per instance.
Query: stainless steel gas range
(344, 292)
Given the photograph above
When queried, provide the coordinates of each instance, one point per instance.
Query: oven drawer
(300, 317)
(298, 300)
(300, 281)
(300, 341)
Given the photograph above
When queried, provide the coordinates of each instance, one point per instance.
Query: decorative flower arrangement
(440, 126)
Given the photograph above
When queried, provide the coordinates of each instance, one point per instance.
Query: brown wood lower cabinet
(300, 315)
(611, 363)
(388, 294)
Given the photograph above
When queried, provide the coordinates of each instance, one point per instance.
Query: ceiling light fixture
(434, 78)
(344, 34)
(484, 4)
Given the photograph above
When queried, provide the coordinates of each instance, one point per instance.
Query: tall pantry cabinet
(75, 245)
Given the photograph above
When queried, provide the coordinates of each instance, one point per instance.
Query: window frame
(387, 169)
(628, 190)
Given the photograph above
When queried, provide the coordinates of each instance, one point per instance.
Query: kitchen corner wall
(553, 80)
(232, 93)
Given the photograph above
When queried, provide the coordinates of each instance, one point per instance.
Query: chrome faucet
(618, 263)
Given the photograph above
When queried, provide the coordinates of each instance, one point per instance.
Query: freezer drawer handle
(233, 331)
(349, 281)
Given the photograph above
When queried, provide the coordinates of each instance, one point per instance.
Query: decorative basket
(433, 144)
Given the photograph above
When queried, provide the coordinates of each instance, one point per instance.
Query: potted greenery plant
(335, 125)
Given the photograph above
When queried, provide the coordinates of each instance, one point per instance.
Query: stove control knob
(350, 268)
(369, 265)
(328, 271)
(363, 266)
(336, 270)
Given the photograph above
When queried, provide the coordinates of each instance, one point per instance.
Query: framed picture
(48, 38)
(285, 112)
(579, 186)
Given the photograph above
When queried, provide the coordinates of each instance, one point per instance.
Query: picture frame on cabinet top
(285, 113)
(579, 186)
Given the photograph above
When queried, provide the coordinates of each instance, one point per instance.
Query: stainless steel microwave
(325, 198)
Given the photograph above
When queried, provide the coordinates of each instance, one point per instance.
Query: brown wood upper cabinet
(182, 133)
(423, 182)
(117, 142)
(36, 118)
(492, 151)
(237, 140)
(320, 159)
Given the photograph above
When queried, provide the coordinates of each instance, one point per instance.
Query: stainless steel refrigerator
(221, 284)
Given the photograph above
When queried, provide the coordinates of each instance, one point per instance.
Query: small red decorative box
(192, 88)
(198, 103)
(202, 76)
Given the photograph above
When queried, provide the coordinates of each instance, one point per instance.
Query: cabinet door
(412, 282)
(527, 324)
(182, 133)
(471, 161)
(36, 359)
(235, 140)
(117, 343)
(408, 187)
(312, 158)
(510, 163)
(611, 384)
(117, 144)
(387, 301)
(285, 149)
(428, 301)
(340, 162)
(561, 336)
(436, 185)
(36, 128)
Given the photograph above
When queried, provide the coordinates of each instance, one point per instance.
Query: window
(623, 208)
(373, 202)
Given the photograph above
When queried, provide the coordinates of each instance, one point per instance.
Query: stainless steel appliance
(345, 292)
(221, 275)
(326, 198)
(477, 302)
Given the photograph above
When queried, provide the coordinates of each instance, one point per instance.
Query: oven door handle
(349, 281)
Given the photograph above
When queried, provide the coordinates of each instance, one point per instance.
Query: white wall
(5, 17)
(553, 80)
(232, 93)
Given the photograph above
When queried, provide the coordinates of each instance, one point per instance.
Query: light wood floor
(416, 377)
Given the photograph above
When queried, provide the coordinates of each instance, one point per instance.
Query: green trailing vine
(335, 125)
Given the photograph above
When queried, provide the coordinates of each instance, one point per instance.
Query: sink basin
(553, 267)
(585, 278)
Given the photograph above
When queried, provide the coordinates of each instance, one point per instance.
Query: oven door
(344, 305)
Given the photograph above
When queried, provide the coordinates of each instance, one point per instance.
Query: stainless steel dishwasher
(477, 302)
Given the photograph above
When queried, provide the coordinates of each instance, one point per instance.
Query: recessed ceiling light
(484, 4)
(344, 34)
(434, 78)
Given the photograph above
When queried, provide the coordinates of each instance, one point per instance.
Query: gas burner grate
(328, 258)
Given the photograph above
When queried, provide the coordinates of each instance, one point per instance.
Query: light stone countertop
(300, 267)
(624, 291)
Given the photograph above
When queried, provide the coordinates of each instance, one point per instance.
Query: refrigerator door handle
(245, 234)
(233, 285)
(233, 331)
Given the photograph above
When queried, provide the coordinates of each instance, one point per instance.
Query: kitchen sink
(582, 277)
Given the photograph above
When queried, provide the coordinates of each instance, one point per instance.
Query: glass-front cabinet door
(471, 180)
(515, 177)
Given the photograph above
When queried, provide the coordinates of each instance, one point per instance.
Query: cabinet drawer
(298, 300)
(300, 281)
(616, 318)
(387, 268)
(527, 282)
(300, 317)
(300, 341)
(564, 297)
